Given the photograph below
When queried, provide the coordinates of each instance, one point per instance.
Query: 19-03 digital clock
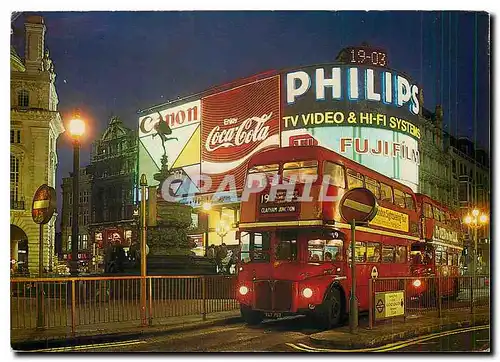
(364, 56)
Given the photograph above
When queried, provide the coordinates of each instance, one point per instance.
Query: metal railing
(432, 294)
(45, 303)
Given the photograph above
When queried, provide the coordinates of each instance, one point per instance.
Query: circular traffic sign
(44, 204)
(358, 204)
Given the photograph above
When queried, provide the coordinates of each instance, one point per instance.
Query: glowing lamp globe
(76, 127)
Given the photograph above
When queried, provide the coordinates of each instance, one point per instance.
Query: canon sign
(176, 117)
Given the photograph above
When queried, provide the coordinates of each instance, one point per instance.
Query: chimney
(421, 100)
(439, 115)
(35, 42)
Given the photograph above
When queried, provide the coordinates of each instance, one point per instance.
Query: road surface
(287, 335)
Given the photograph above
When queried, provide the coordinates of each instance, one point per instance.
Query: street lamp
(475, 220)
(76, 129)
(222, 229)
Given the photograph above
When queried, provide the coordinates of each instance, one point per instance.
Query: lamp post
(76, 129)
(222, 230)
(475, 220)
(143, 184)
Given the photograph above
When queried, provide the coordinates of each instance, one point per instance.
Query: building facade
(84, 213)
(113, 176)
(470, 168)
(35, 126)
(435, 163)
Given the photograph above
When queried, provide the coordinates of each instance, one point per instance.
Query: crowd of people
(223, 258)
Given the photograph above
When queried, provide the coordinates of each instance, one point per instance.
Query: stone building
(35, 126)
(114, 178)
(84, 213)
(470, 167)
(435, 163)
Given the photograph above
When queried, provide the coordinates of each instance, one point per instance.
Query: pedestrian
(211, 252)
(218, 259)
(223, 251)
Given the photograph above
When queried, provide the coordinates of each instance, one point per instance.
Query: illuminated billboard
(368, 114)
(237, 123)
(359, 108)
(182, 145)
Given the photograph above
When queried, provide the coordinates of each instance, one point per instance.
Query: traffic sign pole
(358, 204)
(39, 298)
(353, 310)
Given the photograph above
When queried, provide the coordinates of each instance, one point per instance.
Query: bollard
(204, 299)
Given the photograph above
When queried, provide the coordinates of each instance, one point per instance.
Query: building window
(15, 136)
(70, 198)
(14, 178)
(85, 217)
(70, 219)
(83, 241)
(23, 98)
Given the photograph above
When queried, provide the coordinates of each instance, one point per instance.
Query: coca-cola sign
(236, 124)
(253, 129)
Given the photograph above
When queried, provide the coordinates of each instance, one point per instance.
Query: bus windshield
(286, 248)
(255, 246)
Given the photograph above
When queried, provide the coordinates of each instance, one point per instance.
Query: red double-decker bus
(295, 254)
(439, 251)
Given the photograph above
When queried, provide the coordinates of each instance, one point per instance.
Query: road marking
(90, 346)
(390, 346)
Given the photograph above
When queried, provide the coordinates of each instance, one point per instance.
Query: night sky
(115, 63)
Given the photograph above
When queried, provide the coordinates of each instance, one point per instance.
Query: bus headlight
(307, 292)
(243, 290)
(417, 283)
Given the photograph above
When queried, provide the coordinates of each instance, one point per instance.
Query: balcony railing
(16, 205)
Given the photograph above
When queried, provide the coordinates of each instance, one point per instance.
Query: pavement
(398, 329)
(117, 331)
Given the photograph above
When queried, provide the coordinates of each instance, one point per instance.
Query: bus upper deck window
(373, 186)
(258, 176)
(409, 202)
(335, 174)
(354, 179)
(385, 192)
(399, 198)
(302, 171)
(428, 211)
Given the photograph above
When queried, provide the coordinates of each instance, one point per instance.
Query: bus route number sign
(44, 204)
(358, 204)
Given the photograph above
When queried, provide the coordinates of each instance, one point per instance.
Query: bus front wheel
(250, 316)
(330, 313)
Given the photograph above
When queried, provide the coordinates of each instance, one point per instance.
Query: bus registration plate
(274, 315)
